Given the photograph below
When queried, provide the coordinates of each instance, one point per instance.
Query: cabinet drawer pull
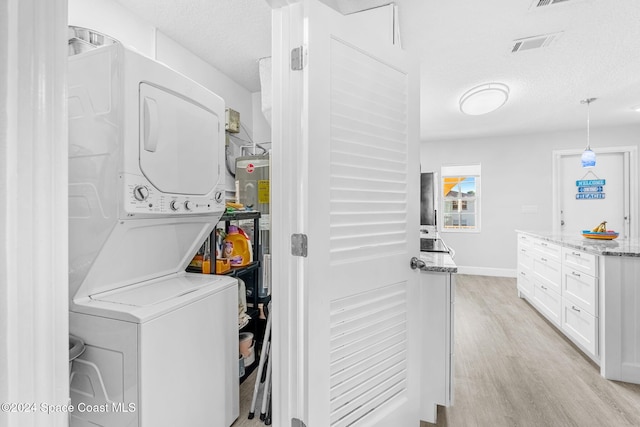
(543, 259)
(575, 274)
(575, 253)
(523, 273)
(543, 244)
(543, 288)
(574, 308)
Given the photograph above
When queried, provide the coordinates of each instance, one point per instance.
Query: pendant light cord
(588, 126)
(588, 101)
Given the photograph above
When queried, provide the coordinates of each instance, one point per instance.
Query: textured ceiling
(460, 44)
(231, 35)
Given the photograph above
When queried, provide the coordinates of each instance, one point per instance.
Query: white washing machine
(146, 185)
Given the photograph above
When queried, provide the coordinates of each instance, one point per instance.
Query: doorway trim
(631, 180)
(34, 352)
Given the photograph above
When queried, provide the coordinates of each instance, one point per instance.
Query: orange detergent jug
(236, 247)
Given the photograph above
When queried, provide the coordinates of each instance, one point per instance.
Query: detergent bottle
(237, 247)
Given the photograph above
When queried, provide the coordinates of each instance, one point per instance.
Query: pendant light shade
(588, 156)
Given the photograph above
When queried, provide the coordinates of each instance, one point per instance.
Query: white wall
(516, 176)
(261, 128)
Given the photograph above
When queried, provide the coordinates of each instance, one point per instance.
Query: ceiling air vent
(541, 3)
(535, 42)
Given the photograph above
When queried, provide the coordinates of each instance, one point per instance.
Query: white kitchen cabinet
(599, 297)
(580, 326)
(550, 250)
(580, 289)
(580, 299)
(580, 261)
(545, 277)
(525, 265)
(564, 288)
(547, 269)
(547, 301)
(525, 282)
(437, 294)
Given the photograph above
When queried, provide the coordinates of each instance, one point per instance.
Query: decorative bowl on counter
(602, 235)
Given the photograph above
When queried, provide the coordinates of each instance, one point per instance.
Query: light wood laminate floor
(246, 394)
(514, 369)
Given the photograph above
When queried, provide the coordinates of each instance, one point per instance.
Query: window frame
(470, 170)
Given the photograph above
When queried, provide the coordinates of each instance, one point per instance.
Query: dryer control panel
(142, 198)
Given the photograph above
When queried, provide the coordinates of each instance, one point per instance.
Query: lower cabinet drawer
(581, 289)
(580, 325)
(548, 302)
(525, 256)
(548, 271)
(525, 282)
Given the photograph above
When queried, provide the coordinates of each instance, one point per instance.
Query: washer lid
(158, 291)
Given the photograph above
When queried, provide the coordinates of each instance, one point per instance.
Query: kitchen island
(437, 298)
(590, 290)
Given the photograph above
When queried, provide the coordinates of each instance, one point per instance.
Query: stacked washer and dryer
(146, 187)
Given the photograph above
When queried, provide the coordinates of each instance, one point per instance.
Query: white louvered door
(346, 318)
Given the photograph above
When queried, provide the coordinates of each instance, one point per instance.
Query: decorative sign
(593, 189)
(582, 196)
(586, 182)
(589, 189)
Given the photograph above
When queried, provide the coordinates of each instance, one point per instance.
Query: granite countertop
(438, 262)
(616, 247)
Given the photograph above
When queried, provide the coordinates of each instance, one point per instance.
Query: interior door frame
(631, 179)
(287, 199)
(34, 352)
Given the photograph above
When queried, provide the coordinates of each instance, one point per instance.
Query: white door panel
(584, 214)
(348, 124)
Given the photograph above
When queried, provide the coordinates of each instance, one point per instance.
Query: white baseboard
(486, 271)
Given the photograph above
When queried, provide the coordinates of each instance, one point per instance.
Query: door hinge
(299, 245)
(297, 58)
(297, 423)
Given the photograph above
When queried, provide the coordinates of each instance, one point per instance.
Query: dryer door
(179, 142)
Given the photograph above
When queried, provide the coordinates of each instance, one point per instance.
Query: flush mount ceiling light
(588, 158)
(484, 99)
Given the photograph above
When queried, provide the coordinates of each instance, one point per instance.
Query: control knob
(218, 197)
(174, 205)
(141, 193)
(188, 205)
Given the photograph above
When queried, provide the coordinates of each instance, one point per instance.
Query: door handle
(417, 263)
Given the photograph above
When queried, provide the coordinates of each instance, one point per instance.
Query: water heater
(252, 182)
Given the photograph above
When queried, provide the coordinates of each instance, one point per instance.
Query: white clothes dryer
(146, 186)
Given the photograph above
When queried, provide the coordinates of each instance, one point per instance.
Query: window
(460, 198)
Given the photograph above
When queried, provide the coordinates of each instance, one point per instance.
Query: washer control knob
(140, 193)
(188, 205)
(218, 197)
(174, 205)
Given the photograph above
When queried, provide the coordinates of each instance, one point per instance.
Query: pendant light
(588, 157)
